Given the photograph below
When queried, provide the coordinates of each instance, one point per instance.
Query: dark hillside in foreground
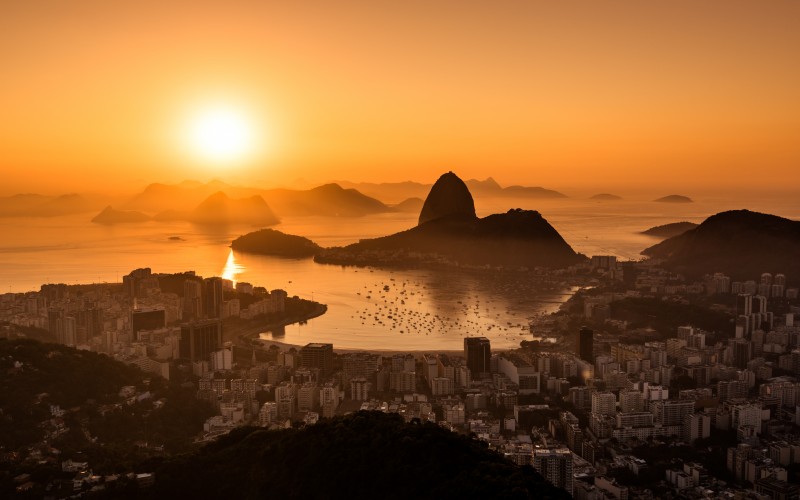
(362, 455)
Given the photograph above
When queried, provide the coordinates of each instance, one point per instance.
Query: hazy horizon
(622, 96)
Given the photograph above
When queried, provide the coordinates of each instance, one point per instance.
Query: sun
(220, 134)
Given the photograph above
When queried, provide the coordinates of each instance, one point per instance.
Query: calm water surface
(368, 308)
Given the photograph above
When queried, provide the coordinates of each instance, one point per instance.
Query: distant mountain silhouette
(606, 197)
(674, 198)
(449, 196)
(111, 216)
(171, 200)
(34, 205)
(395, 192)
(450, 233)
(740, 243)
(220, 209)
(272, 242)
(327, 200)
(670, 230)
(410, 205)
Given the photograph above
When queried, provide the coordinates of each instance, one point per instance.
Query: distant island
(409, 205)
(450, 233)
(606, 197)
(272, 242)
(674, 198)
(109, 215)
(670, 230)
(739, 243)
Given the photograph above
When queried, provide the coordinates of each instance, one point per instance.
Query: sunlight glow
(220, 134)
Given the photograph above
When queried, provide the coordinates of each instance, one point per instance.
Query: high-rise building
(359, 389)
(147, 319)
(199, 339)
(604, 403)
(585, 348)
(212, 297)
(555, 465)
(478, 352)
(318, 356)
(192, 300)
(744, 304)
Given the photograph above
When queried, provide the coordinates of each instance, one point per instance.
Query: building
(604, 403)
(359, 389)
(555, 465)
(212, 297)
(478, 352)
(318, 356)
(147, 319)
(585, 348)
(199, 339)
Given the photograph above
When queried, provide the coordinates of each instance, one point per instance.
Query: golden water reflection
(232, 268)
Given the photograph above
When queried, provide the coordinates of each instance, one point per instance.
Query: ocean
(368, 308)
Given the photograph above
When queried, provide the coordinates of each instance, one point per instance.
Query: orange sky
(93, 93)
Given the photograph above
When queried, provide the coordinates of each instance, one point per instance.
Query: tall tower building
(585, 348)
(199, 339)
(555, 465)
(192, 300)
(478, 352)
(212, 297)
(318, 356)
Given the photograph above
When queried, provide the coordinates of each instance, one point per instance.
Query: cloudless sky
(95, 94)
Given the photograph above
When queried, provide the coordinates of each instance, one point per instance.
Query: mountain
(221, 209)
(674, 198)
(740, 243)
(361, 455)
(395, 192)
(34, 205)
(111, 216)
(670, 230)
(606, 197)
(272, 242)
(449, 196)
(450, 233)
(325, 200)
(410, 205)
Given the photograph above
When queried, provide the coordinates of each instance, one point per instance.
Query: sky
(98, 95)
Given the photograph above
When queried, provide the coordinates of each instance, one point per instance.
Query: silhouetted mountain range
(35, 205)
(326, 200)
(449, 232)
(397, 191)
(674, 198)
(740, 243)
(670, 230)
(220, 209)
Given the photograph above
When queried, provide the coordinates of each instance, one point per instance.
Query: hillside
(740, 243)
(221, 209)
(272, 242)
(362, 455)
(669, 230)
(606, 197)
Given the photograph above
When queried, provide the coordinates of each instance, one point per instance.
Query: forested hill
(362, 455)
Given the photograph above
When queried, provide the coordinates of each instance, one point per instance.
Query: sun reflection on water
(232, 268)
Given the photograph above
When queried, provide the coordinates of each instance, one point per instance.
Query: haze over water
(445, 306)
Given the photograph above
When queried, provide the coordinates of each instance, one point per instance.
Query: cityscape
(400, 250)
